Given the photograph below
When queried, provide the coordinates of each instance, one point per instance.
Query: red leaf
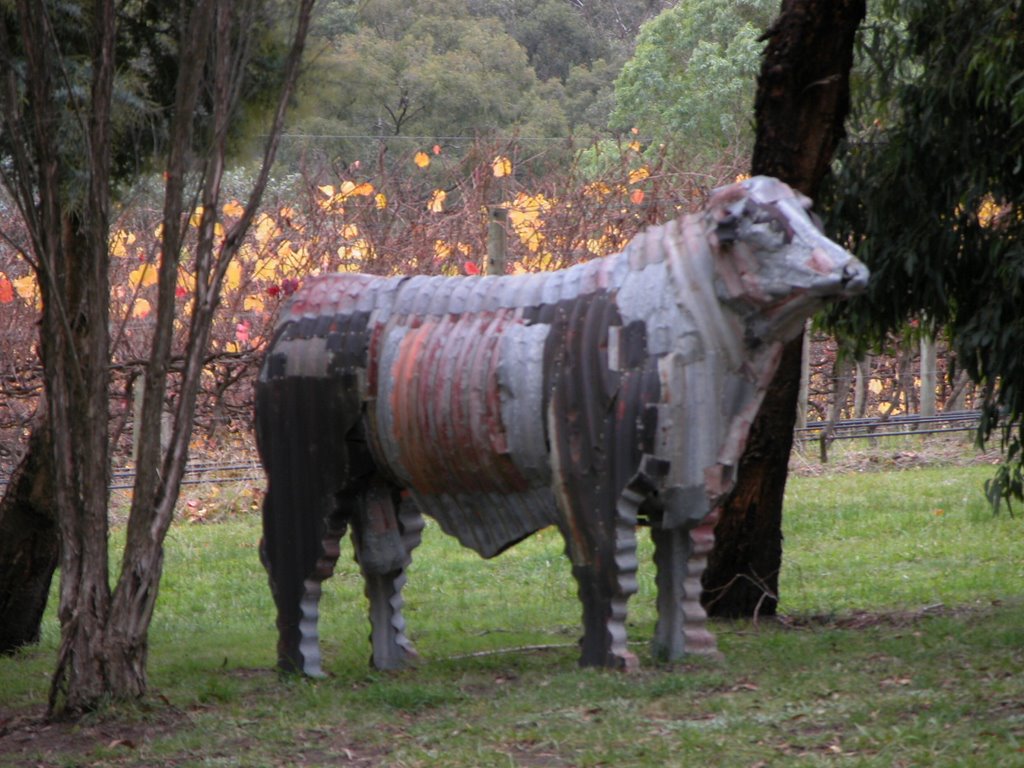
(6, 290)
(471, 268)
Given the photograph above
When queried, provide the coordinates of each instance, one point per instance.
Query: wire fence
(214, 472)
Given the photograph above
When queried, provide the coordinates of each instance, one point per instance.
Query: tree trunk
(104, 634)
(801, 103)
(29, 542)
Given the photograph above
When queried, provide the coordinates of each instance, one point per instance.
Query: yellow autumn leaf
(25, 287)
(635, 146)
(381, 201)
(346, 188)
(501, 166)
(988, 210)
(327, 190)
(119, 243)
(265, 228)
(141, 308)
(233, 276)
(143, 276)
(436, 204)
(252, 303)
(353, 255)
(350, 231)
(186, 280)
(422, 159)
(197, 216)
(234, 209)
(639, 174)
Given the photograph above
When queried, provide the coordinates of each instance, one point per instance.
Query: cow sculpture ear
(816, 220)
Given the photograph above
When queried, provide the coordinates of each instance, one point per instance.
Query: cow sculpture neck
(614, 393)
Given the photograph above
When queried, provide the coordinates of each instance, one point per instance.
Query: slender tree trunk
(29, 542)
(802, 101)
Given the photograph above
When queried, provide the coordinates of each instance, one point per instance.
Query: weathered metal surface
(617, 392)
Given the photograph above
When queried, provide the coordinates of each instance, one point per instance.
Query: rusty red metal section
(615, 393)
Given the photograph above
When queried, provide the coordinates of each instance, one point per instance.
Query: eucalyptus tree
(691, 80)
(930, 191)
(58, 137)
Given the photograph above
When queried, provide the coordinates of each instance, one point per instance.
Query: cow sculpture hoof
(613, 394)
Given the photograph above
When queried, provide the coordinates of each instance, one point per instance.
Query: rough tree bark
(29, 543)
(801, 103)
(104, 632)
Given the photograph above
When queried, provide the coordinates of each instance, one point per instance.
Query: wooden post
(497, 245)
(928, 375)
(860, 391)
(805, 379)
(138, 389)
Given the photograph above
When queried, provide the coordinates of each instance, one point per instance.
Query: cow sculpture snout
(614, 394)
(855, 279)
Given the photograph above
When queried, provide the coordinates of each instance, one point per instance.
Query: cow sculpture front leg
(386, 531)
(680, 556)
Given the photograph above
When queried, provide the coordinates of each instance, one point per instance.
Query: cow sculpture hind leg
(386, 530)
(298, 556)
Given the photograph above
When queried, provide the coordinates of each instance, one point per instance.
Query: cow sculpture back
(614, 393)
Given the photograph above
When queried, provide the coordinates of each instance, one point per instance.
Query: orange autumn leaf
(141, 308)
(6, 290)
(234, 209)
(143, 276)
(422, 159)
(636, 196)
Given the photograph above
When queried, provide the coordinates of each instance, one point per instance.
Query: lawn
(901, 643)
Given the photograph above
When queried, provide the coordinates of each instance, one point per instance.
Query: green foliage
(467, 68)
(930, 193)
(691, 81)
(144, 85)
(429, 70)
(556, 38)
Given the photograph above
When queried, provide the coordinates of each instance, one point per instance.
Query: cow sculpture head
(774, 266)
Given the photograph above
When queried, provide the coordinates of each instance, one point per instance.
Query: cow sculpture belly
(614, 393)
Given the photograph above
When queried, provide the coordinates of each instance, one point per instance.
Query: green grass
(903, 644)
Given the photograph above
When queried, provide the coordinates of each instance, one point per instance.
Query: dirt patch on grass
(887, 454)
(888, 619)
(27, 737)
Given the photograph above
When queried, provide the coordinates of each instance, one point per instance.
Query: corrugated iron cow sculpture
(614, 393)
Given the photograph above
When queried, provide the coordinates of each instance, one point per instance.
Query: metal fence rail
(908, 424)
